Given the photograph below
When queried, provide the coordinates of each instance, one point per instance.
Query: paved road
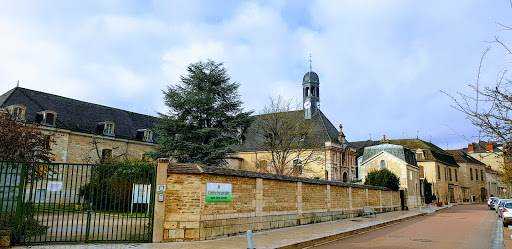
(462, 226)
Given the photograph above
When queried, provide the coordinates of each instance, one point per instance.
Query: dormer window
(145, 134)
(17, 112)
(106, 128)
(47, 117)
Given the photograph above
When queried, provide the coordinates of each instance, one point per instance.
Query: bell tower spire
(310, 92)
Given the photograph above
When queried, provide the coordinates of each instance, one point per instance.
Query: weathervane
(310, 66)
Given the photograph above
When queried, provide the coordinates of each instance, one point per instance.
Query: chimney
(384, 139)
(470, 147)
(489, 146)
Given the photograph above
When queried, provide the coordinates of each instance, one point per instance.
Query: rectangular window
(148, 135)
(456, 177)
(476, 174)
(450, 171)
(471, 173)
(106, 156)
(47, 142)
(438, 172)
(482, 175)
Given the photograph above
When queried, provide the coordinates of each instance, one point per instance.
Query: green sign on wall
(218, 192)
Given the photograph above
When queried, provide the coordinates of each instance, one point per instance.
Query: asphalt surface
(462, 226)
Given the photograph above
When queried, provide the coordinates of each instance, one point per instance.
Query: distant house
(399, 160)
(336, 158)
(472, 176)
(491, 154)
(436, 167)
(82, 132)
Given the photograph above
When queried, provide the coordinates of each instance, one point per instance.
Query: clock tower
(310, 94)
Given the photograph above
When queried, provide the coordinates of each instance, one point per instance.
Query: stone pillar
(328, 199)
(350, 199)
(380, 200)
(159, 214)
(259, 197)
(367, 201)
(299, 200)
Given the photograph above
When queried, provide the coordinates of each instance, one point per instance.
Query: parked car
(507, 213)
(493, 203)
(489, 201)
(500, 204)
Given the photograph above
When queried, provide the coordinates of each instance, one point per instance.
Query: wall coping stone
(188, 168)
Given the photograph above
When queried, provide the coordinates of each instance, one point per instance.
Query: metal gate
(57, 202)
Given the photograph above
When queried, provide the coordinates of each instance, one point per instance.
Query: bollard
(420, 210)
(250, 243)
(430, 206)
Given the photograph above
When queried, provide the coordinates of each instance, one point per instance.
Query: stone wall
(259, 202)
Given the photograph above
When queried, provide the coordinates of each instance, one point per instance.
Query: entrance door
(483, 194)
(451, 194)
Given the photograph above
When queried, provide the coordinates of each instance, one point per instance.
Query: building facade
(82, 132)
(397, 159)
(491, 154)
(436, 167)
(329, 155)
(473, 176)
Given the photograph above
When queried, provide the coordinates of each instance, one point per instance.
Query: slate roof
(481, 147)
(322, 131)
(76, 115)
(431, 151)
(463, 157)
(398, 151)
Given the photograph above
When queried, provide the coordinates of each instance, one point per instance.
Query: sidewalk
(291, 237)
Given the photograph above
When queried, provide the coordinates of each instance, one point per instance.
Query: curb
(342, 235)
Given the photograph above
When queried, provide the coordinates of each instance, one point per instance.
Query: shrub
(383, 178)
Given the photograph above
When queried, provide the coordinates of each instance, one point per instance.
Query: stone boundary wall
(259, 202)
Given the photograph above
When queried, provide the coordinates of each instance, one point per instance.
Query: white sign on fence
(141, 194)
(54, 186)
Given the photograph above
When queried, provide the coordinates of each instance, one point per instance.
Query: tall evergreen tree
(205, 117)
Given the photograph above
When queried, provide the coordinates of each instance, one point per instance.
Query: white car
(489, 201)
(493, 203)
(507, 213)
(499, 206)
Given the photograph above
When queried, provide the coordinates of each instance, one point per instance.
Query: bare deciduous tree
(489, 108)
(286, 136)
(22, 141)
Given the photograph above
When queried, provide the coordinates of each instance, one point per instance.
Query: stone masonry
(259, 202)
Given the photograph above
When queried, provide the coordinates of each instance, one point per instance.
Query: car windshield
(495, 200)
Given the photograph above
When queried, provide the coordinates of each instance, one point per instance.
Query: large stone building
(397, 159)
(436, 167)
(81, 132)
(491, 154)
(472, 176)
(334, 159)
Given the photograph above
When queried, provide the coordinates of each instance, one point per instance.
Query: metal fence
(58, 202)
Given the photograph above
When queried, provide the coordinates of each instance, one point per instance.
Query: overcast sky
(381, 63)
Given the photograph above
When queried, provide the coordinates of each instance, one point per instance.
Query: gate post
(159, 208)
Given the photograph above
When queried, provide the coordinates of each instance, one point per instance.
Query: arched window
(345, 177)
(439, 173)
(382, 164)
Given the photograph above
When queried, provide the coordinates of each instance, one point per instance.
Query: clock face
(307, 104)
